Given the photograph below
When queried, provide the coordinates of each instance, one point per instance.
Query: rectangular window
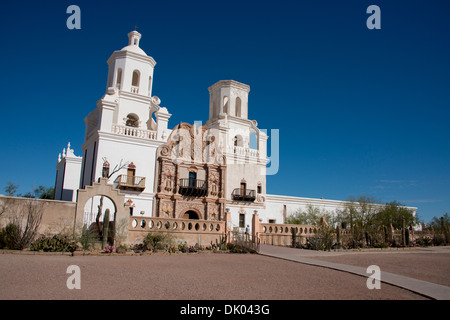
(242, 220)
(259, 189)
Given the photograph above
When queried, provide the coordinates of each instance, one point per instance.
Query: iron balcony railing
(243, 194)
(192, 187)
(132, 182)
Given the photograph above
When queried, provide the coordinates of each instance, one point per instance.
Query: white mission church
(191, 171)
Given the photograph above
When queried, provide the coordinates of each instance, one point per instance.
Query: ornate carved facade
(190, 175)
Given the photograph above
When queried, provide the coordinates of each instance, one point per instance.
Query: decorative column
(228, 224)
(255, 227)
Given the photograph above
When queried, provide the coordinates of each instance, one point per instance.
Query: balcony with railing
(192, 187)
(134, 132)
(240, 194)
(243, 151)
(131, 182)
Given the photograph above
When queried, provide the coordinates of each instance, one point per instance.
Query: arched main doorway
(191, 214)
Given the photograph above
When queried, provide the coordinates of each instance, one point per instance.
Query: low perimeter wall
(281, 234)
(203, 232)
(57, 216)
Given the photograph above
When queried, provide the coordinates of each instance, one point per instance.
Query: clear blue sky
(360, 112)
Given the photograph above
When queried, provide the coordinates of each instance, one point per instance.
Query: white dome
(133, 43)
(134, 48)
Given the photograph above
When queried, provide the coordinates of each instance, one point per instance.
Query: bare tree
(26, 217)
(116, 168)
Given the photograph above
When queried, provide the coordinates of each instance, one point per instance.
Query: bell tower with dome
(125, 129)
(131, 69)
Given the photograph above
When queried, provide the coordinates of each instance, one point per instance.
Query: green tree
(11, 189)
(395, 214)
(442, 225)
(311, 216)
(42, 192)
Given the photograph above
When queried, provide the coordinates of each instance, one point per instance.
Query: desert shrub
(183, 247)
(237, 248)
(424, 241)
(438, 240)
(56, 243)
(322, 240)
(157, 241)
(87, 238)
(122, 248)
(138, 247)
(380, 245)
(10, 237)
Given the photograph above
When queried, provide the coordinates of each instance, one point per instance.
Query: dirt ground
(201, 277)
(428, 264)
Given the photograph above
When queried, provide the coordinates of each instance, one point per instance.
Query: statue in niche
(167, 180)
(214, 180)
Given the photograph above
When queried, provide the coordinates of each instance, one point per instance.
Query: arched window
(238, 141)
(135, 82)
(132, 120)
(238, 107)
(119, 78)
(225, 104)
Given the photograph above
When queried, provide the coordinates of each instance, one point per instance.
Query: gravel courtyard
(208, 276)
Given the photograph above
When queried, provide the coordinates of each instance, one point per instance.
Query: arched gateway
(101, 188)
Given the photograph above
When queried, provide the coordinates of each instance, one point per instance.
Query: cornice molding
(128, 54)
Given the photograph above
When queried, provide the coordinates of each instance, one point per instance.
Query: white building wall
(276, 205)
(142, 154)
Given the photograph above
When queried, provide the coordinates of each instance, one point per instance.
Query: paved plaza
(275, 274)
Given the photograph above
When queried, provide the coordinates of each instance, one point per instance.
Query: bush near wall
(10, 237)
(56, 243)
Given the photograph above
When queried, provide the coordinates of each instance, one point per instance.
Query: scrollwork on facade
(166, 209)
(213, 213)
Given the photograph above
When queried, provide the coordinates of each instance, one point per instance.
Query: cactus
(403, 232)
(105, 229)
(294, 238)
(338, 237)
